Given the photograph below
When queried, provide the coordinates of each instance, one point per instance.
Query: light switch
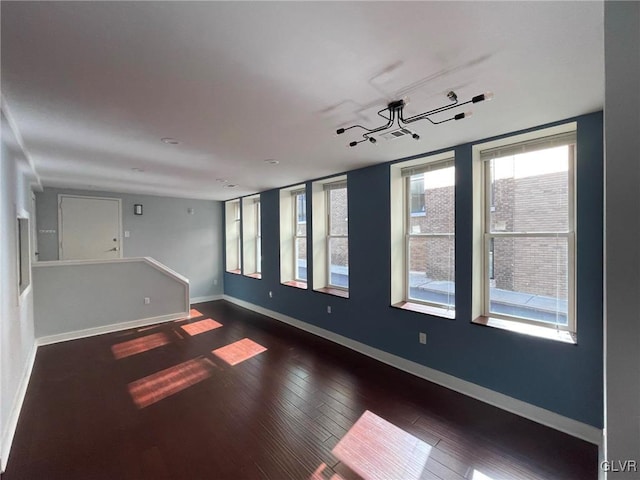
(127, 234)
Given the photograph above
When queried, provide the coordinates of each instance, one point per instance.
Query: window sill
(428, 309)
(296, 284)
(254, 275)
(526, 329)
(334, 291)
(235, 272)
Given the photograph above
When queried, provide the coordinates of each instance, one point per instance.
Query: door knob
(114, 249)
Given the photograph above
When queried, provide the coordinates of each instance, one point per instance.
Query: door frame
(60, 233)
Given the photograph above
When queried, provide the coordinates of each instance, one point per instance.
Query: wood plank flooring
(274, 414)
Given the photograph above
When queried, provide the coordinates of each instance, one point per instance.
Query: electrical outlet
(423, 338)
(270, 294)
(215, 281)
(147, 300)
(328, 308)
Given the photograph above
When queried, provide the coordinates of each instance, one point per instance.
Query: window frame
(233, 220)
(408, 235)
(258, 208)
(251, 261)
(488, 206)
(327, 193)
(295, 194)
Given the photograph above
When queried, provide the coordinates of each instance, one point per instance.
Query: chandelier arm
(380, 113)
(441, 121)
(454, 104)
(424, 115)
(371, 130)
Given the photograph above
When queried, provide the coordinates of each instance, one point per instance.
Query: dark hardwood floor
(157, 403)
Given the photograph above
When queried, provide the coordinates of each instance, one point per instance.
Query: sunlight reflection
(139, 345)
(193, 313)
(480, 476)
(239, 351)
(201, 326)
(318, 474)
(376, 449)
(162, 384)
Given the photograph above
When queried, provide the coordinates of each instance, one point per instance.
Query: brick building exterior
(528, 204)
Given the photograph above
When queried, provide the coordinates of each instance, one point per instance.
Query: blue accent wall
(566, 379)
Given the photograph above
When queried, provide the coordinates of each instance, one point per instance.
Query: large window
(293, 236)
(233, 241)
(430, 234)
(258, 237)
(337, 235)
(300, 236)
(331, 236)
(423, 235)
(528, 231)
(251, 237)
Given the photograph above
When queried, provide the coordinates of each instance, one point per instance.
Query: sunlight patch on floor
(139, 345)
(239, 351)
(163, 384)
(201, 326)
(378, 450)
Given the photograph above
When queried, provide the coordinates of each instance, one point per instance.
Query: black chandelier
(396, 116)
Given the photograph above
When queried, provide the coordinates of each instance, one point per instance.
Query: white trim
(207, 298)
(148, 260)
(115, 327)
(120, 228)
(14, 415)
(537, 414)
(153, 263)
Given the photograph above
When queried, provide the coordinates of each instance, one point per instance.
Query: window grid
(410, 211)
(238, 222)
(331, 236)
(300, 234)
(258, 208)
(490, 237)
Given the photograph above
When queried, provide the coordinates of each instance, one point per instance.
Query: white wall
(190, 244)
(622, 235)
(16, 318)
(76, 299)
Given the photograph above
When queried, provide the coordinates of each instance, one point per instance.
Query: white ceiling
(93, 86)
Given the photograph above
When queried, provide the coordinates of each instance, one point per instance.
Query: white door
(89, 227)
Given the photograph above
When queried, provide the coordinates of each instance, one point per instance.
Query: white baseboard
(532, 412)
(209, 298)
(115, 327)
(14, 415)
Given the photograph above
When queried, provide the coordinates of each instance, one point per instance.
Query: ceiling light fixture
(272, 161)
(396, 116)
(170, 141)
(230, 185)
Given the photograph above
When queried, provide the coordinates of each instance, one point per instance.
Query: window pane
(529, 192)
(301, 215)
(432, 269)
(438, 202)
(338, 216)
(259, 255)
(301, 259)
(339, 262)
(258, 222)
(530, 278)
(416, 192)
